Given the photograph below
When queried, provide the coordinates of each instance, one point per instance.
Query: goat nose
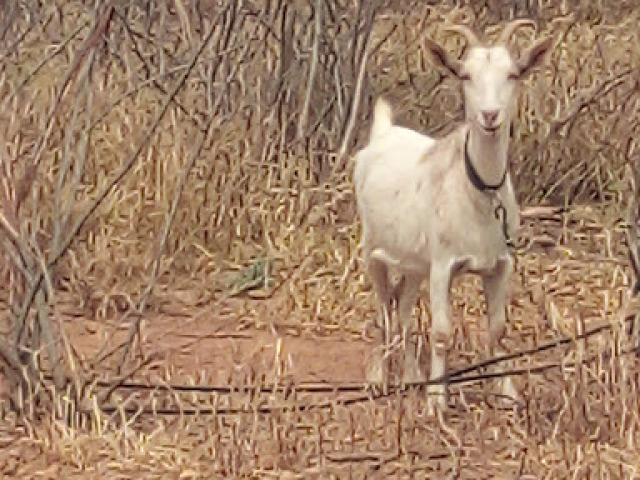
(490, 116)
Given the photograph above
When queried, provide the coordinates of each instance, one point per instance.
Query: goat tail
(382, 118)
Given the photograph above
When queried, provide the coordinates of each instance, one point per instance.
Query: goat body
(428, 206)
(416, 204)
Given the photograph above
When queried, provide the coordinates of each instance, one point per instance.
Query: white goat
(441, 207)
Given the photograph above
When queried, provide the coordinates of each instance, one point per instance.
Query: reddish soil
(207, 344)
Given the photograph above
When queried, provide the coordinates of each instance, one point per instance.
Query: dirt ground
(202, 348)
(297, 410)
(199, 347)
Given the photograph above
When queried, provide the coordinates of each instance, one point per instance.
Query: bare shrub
(156, 154)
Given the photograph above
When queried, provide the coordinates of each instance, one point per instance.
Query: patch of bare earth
(274, 397)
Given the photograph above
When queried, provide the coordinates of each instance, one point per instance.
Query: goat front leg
(439, 294)
(495, 291)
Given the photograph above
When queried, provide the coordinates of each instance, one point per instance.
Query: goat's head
(490, 73)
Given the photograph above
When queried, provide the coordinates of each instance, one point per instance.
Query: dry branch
(459, 376)
(115, 180)
(631, 232)
(255, 191)
(304, 115)
(632, 236)
(186, 171)
(357, 92)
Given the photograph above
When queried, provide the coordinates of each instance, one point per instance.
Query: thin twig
(143, 61)
(61, 48)
(458, 376)
(631, 232)
(34, 20)
(355, 103)
(366, 397)
(313, 68)
(100, 197)
(135, 326)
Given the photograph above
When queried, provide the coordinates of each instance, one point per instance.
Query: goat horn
(466, 32)
(511, 27)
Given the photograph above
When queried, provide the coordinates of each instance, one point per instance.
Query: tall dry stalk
(220, 134)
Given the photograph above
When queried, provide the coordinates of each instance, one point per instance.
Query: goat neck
(488, 156)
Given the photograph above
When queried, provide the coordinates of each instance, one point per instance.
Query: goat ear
(441, 58)
(535, 55)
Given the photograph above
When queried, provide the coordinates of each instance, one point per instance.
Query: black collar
(473, 175)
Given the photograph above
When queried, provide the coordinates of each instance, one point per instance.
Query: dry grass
(184, 165)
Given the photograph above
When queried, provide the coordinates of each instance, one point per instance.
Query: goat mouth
(490, 130)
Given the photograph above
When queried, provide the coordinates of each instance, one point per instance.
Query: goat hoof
(376, 370)
(434, 405)
(508, 390)
(412, 377)
(436, 399)
(509, 396)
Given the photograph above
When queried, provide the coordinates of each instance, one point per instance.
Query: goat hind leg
(407, 295)
(377, 369)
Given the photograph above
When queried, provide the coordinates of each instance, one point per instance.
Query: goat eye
(464, 77)
(513, 76)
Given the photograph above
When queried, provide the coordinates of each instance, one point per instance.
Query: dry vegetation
(188, 164)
